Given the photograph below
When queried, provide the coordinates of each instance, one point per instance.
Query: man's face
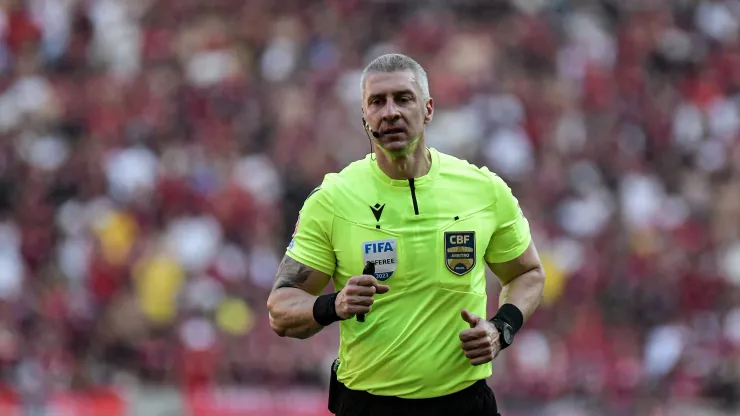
(393, 106)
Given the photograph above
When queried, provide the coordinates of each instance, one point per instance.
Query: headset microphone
(373, 132)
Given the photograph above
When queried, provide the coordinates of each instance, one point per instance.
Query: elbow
(540, 279)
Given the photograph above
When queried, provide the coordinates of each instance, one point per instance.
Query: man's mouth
(396, 130)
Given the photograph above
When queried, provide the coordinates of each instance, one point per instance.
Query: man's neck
(414, 165)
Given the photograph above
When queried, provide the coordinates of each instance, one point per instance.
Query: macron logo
(377, 211)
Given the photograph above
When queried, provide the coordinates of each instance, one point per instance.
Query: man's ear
(429, 111)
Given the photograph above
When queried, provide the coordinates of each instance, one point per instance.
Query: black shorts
(476, 400)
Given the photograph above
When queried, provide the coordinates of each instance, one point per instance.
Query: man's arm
(523, 281)
(306, 268)
(293, 295)
(512, 256)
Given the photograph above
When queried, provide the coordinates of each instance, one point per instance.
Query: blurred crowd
(154, 155)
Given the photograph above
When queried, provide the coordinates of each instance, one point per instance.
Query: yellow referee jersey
(430, 239)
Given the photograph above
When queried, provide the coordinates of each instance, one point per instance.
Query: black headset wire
(365, 127)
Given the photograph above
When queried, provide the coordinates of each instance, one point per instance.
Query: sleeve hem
(511, 254)
(327, 271)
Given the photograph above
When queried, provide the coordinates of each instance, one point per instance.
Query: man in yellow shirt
(428, 224)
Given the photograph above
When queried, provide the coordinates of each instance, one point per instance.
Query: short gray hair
(394, 62)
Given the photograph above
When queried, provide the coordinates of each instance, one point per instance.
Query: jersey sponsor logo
(377, 211)
(384, 254)
(460, 251)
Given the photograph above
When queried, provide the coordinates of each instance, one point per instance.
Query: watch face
(508, 337)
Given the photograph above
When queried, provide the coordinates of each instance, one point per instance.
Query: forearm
(292, 299)
(291, 313)
(525, 291)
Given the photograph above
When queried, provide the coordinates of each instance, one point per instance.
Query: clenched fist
(357, 296)
(480, 342)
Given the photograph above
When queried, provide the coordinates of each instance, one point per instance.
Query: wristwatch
(505, 331)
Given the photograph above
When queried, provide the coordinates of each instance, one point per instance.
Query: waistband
(471, 392)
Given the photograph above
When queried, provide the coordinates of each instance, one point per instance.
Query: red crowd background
(154, 155)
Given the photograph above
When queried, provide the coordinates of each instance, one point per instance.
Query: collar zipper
(413, 196)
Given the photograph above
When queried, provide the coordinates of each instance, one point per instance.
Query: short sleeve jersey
(430, 239)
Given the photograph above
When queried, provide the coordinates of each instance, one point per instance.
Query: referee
(414, 340)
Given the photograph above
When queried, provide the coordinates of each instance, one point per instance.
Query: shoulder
(461, 167)
(354, 174)
(334, 185)
(357, 170)
(465, 174)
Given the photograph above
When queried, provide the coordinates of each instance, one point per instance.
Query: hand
(480, 342)
(357, 296)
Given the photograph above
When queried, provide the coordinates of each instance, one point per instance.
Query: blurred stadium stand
(154, 155)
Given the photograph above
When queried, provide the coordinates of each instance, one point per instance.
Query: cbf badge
(384, 254)
(460, 251)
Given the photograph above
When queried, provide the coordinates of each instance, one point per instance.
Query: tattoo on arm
(291, 274)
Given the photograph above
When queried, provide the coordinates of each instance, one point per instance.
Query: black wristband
(325, 309)
(511, 315)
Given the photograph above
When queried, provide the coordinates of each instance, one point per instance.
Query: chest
(439, 242)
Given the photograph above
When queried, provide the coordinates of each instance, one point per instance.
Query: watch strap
(510, 314)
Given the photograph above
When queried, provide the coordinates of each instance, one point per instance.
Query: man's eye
(404, 99)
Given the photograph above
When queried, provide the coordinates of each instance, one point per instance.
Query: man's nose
(390, 111)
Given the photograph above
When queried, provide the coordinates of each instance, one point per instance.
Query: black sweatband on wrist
(325, 309)
(511, 315)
